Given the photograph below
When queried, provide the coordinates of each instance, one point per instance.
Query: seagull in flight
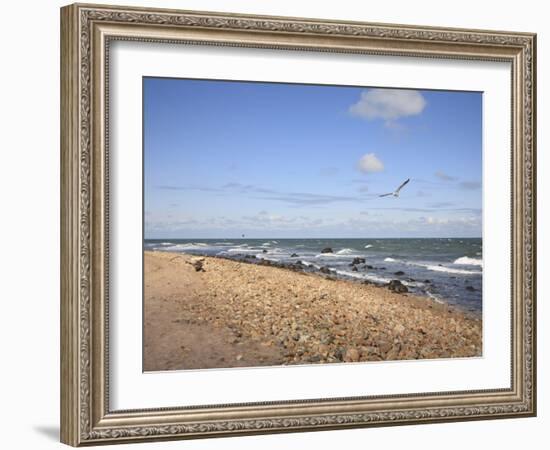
(396, 192)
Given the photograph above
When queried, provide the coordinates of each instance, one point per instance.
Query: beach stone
(327, 250)
(399, 329)
(394, 352)
(384, 346)
(397, 286)
(323, 350)
(352, 355)
(339, 354)
(325, 269)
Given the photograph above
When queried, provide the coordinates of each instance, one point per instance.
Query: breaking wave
(466, 261)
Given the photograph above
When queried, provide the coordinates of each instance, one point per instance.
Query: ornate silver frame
(86, 31)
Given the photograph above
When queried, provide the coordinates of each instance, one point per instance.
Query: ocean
(445, 269)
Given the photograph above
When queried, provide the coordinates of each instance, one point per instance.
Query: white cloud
(388, 104)
(370, 163)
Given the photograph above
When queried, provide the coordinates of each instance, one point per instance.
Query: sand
(236, 314)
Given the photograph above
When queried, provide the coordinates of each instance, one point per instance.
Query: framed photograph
(275, 224)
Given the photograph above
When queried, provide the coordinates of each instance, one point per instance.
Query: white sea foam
(466, 261)
(184, 247)
(368, 246)
(310, 264)
(390, 260)
(450, 270)
(435, 297)
(241, 250)
(345, 254)
(363, 276)
(345, 251)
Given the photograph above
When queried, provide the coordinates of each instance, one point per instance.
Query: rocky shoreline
(358, 264)
(204, 312)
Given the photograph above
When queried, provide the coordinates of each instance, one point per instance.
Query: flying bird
(396, 192)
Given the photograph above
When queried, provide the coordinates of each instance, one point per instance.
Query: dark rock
(354, 269)
(249, 256)
(339, 354)
(294, 255)
(264, 251)
(326, 250)
(368, 266)
(470, 288)
(397, 286)
(358, 260)
(399, 273)
(427, 281)
(325, 269)
(197, 263)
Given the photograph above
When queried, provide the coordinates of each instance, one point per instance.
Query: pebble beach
(210, 312)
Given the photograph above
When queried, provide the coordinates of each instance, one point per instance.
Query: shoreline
(207, 312)
(400, 284)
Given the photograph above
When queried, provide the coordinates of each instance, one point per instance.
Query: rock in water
(399, 273)
(294, 255)
(325, 269)
(326, 250)
(358, 260)
(397, 286)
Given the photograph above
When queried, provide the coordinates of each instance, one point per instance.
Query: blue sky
(223, 158)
